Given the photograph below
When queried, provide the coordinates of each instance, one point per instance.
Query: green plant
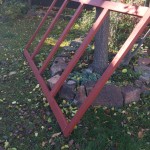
(123, 76)
(121, 27)
(87, 19)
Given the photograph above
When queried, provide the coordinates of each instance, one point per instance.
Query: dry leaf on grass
(56, 135)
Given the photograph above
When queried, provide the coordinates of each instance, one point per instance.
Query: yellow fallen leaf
(140, 134)
(124, 70)
(6, 144)
(64, 102)
(64, 147)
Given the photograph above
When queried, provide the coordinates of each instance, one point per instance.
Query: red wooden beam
(37, 49)
(80, 51)
(52, 102)
(62, 37)
(118, 7)
(109, 71)
(41, 24)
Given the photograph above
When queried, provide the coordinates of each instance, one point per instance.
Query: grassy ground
(26, 121)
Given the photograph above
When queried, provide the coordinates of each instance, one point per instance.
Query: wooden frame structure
(142, 12)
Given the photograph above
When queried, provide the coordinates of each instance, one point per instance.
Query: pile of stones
(111, 95)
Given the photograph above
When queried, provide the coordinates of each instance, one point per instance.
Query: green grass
(26, 122)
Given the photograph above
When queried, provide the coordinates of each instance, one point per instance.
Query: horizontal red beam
(118, 7)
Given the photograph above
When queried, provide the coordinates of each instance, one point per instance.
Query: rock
(144, 61)
(89, 70)
(81, 94)
(72, 84)
(110, 95)
(145, 78)
(53, 80)
(69, 48)
(58, 66)
(1, 148)
(141, 69)
(89, 86)
(68, 90)
(65, 54)
(131, 94)
(76, 43)
(138, 83)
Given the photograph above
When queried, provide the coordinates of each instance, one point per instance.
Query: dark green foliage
(121, 27)
(84, 77)
(121, 77)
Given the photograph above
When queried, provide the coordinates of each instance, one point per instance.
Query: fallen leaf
(14, 102)
(64, 102)
(124, 70)
(43, 143)
(65, 147)
(37, 86)
(6, 144)
(141, 134)
(56, 134)
(36, 134)
(49, 120)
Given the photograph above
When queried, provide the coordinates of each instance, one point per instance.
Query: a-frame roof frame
(142, 12)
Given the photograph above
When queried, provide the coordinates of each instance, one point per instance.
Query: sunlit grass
(52, 41)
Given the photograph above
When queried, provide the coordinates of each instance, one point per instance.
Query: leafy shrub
(121, 26)
(86, 20)
(13, 9)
